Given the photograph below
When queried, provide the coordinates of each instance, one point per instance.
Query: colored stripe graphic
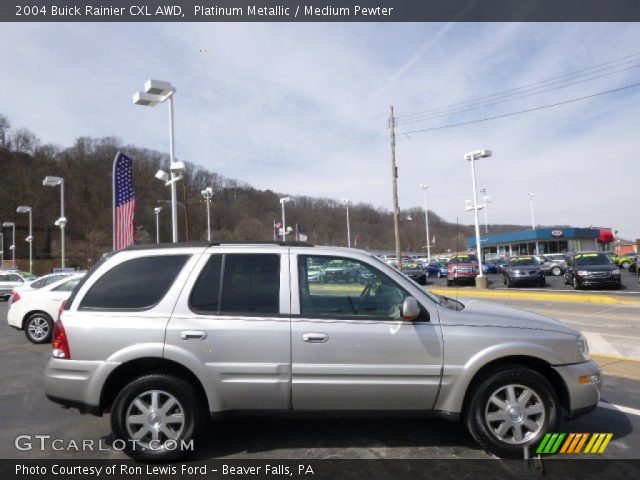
(568, 442)
(582, 442)
(606, 442)
(572, 443)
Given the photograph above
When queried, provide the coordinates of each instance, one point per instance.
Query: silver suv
(163, 337)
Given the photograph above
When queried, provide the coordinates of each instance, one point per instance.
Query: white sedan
(34, 311)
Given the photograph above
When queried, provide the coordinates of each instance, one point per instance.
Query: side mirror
(410, 309)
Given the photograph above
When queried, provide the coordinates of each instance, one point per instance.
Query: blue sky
(302, 108)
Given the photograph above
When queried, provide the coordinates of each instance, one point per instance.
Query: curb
(551, 296)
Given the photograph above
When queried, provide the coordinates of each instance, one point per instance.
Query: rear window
(136, 284)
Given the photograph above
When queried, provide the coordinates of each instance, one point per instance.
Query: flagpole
(113, 202)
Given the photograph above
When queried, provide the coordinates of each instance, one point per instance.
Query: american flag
(124, 200)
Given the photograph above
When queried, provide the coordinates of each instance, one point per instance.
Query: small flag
(124, 202)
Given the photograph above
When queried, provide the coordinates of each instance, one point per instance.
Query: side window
(52, 279)
(245, 284)
(338, 287)
(134, 284)
(67, 286)
(13, 278)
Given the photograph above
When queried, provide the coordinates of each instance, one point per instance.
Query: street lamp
(284, 226)
(1, 249)
(12, 247)
(533, 222)
(345, 202)
(426, 221)
(207, 193)
(50, 181)
(26, 209)
(472, 157)
(157, 211)
(156, 91)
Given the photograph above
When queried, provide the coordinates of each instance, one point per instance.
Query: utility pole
(394, 178)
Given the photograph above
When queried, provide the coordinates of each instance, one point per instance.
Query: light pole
(157, 211)
(533, 222)
(207, 193)
(29, 210)
(487, 200)
(12, 225)
(345, 202)
(1, 249)
(156, 91)
(50, 181)
(284, 226)
(426, 221)
(472, 157)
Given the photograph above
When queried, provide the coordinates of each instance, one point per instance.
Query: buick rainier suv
(164, 337)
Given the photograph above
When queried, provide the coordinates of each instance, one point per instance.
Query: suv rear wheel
(511, 409)
(155, 413)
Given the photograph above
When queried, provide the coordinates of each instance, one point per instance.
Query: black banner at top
(320, 11)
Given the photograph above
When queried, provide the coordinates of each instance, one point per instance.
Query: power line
(486, 119)
(504, 100)
(516, 89)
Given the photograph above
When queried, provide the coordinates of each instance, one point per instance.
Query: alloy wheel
(153, 418)
(515, 414)
(38, 328)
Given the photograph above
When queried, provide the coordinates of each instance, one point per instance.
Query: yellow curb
(519, 295)
(614, 357)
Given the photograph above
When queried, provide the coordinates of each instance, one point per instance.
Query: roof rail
(148, 246)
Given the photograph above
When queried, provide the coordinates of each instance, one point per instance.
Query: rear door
(231, 326)
(351, 350)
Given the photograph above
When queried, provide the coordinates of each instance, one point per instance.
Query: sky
(303, 109)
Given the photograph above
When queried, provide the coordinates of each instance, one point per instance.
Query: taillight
(15, 296)
(59, 341)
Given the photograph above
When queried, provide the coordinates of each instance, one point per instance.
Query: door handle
(193, 335)
(315, 337)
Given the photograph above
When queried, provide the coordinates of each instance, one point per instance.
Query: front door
(351, 350)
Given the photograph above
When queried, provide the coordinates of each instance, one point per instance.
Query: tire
(556, 271)
(576, 284)
(543, 283)
(504, 279)
(38, 328)
(483, 417)
(188, 401)
(509, 283)
(625, 264)
(449, 282)
(566, 281)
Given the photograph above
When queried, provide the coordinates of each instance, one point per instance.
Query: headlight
(517, 272)
(615, 272)
(583, 347)
(583, 273)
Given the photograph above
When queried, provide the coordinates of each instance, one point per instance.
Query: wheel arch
(31, 312)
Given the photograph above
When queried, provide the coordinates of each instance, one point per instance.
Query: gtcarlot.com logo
(574, 442)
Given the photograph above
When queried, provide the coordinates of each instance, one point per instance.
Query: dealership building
(543, 240)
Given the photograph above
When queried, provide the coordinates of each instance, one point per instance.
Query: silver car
(164, 337)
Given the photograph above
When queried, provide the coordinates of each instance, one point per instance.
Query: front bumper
(582, 397)
(527, 280)
(599, 282)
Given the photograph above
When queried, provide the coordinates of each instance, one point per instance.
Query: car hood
(480, 313)
(525, 268)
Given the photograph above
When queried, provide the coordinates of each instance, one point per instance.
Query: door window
(245, 284)
(67, 286)
(339, 287)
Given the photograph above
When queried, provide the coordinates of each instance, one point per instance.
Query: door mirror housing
(410, 309)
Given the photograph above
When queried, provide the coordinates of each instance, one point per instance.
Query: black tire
(566, 281)
(576, 284)
(543, 283)
(38, 327)
(483, 388)
(193, 406)
(509, 283)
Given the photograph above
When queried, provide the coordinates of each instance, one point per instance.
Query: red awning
(606, 236)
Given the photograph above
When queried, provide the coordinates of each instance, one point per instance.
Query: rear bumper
(583, 397)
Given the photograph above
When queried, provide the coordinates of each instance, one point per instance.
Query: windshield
(464, 259)
(412, 266)
(584, 259)
(522, 261)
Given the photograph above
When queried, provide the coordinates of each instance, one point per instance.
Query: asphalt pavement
(24, 410)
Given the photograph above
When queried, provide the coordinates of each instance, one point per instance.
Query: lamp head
(285, 200)
(177, 167)
(157, 210)
(61, 222)
(8, 224)
(158, 87)
(50, 181)
(162, 175)
(29, 239)
(476, 154)
(23, 209)
(145, 99)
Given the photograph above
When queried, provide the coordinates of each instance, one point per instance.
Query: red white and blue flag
(124, 202)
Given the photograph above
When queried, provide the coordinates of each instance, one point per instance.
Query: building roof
(539, 234)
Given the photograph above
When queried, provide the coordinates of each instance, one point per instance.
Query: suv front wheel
(155, 415)
(511, 409)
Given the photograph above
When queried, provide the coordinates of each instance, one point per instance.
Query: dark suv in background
(591, 269)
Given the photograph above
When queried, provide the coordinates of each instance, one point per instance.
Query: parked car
(502, 264)
(462, 267)
(339, 271)
(524, 270)
(620, 260)
(552, 264)
(415, 272)
(34, 310)
(491, 266)
(437, 268)
(316, 274)
(163, 337)
(591, 269)
(9, 279)
(41, 282)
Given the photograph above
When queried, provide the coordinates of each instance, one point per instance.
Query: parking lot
(26, 411)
